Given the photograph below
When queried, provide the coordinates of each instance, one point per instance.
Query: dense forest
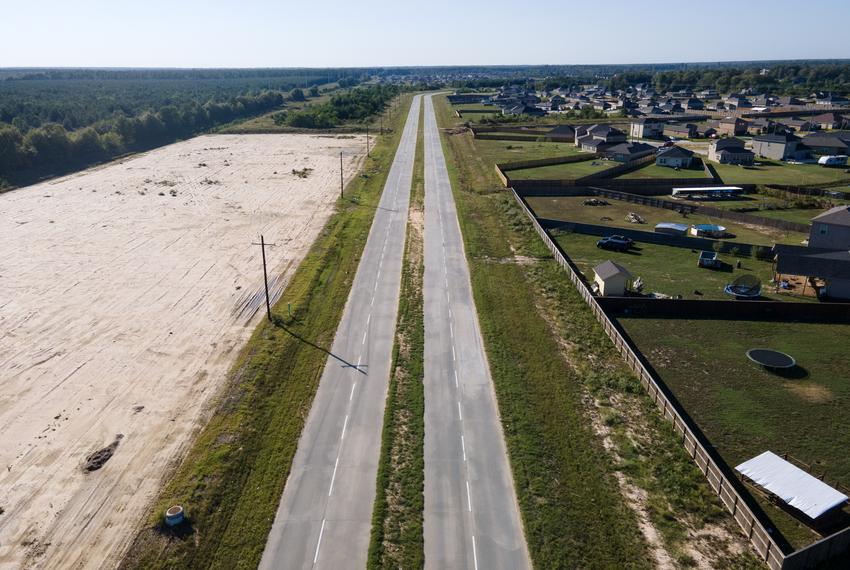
(56, 120)
(797, 78)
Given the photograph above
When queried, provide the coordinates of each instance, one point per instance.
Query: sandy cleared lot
(125, 294)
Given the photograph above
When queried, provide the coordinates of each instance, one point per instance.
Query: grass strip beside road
(573, 513)
(232, 477)
(397, 520)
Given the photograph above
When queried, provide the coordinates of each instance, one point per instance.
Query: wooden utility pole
(263, 245)
(340, 175)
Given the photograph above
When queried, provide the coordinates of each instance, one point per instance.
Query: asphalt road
(325, 515)
(471, 515)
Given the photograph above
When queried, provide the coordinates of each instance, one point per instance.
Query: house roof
(776, 138)
(812, 261)
(839, 216)
(608, 269)
(565, 130)
(675, 152)
(728, 144)
(827, 118)
(679, 128)
(825, 140)
(631, 148)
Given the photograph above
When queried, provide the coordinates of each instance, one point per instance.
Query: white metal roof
(791, 484)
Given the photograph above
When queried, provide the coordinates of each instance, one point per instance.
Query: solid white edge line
(319, 544)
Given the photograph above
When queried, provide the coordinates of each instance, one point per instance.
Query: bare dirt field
(125, 294)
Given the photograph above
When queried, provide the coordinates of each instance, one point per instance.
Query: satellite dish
(745, 286)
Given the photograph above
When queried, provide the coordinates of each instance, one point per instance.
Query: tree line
(52, 148)
(56, 120)
(354, 105)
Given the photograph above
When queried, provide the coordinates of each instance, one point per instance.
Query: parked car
(614, 243)
(629, 241)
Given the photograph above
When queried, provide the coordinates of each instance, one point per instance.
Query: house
(555, 102)
(674, 157)
(832, 100)
(707, 94)
(646, 128)
(730, 151)
(561, 133)
(590, 144)
(776, 146)
(629, 151)
(596, 134)
(797, 124)
(694, 104)
(522, 109)
(708, 132)
(827, 143)
(789, 101)
(831, 229)
(611, 279)
(680, 131)
(829, 121)
(732, 126)
(759, 126)
(830, 265)
(738, 103)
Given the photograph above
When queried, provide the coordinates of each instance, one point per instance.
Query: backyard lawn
(669, 270)
(773, 172)
(563, 171)
(511, 151)
(571, 208)
(655, 171)
(745, 410)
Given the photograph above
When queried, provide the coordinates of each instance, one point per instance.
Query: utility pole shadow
(278, 322)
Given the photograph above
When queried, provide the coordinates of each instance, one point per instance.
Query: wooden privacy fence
(725, 488)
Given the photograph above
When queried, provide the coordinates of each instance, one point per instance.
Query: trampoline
(771, 358)
(744, 287)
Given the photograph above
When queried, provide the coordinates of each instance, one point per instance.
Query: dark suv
(615, 243)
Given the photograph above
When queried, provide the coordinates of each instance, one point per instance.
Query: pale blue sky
(319, 33)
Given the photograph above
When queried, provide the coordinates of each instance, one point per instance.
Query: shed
(795, 487)
(611, 278)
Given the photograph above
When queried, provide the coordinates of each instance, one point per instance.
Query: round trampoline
(771, 358)
(745, 287)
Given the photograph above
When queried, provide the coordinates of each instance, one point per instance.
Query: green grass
(774, 172)
(745, 410)
(655, 171)
(397, 538)
(573, 513)
(670, 270)
(570, 208)
(511, 151)
(569, 171)
(232, 477)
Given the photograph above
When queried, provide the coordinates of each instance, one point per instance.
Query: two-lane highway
(324, 517)
(471, 515)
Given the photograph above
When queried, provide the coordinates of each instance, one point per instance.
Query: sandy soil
(125, 293)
